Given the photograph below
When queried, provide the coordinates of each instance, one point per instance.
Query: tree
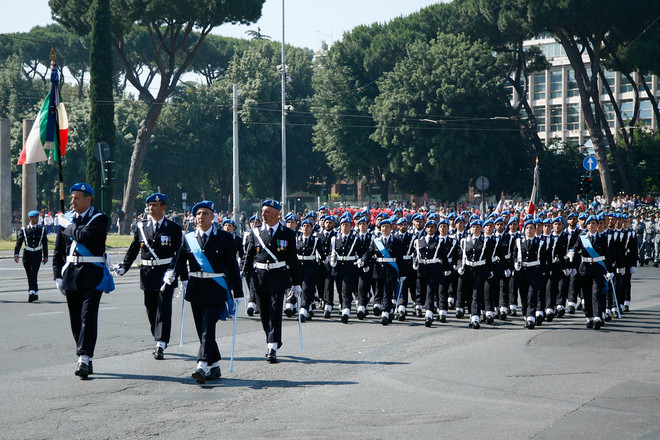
(157, 36)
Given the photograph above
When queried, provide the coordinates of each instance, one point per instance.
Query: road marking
(108, 308)
(44, 313)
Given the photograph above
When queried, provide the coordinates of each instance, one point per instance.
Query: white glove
(297, 289)
(567, 272)
(447, 273)
(573, 272)
(633, 269)
(491, 275)
(63, 221)
(365, 269)
(461, 271)
(517, 266)
(168, 278)
(60, 285)
(609, 276)
(118, 270)
(415, 265)
(333, 263)
(184, 285)
(621, 270)
(359, 263)
(571, 255)
(507, 273)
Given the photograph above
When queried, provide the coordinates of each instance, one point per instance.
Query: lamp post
(283, 70)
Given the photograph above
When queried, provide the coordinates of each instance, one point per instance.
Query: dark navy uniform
(364, 274)
(477, 264)
(343, 257)
(157, 249)
(36, 252)
(556, 286)
(530, 256)
(309, 254)
(326, 285)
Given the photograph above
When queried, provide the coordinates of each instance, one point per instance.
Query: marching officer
(35, 253)
(157, 239)
(206, 263)
(271, 252)
(80, 271)
(406, 270)
(326, 286)
(253, 222)
(364, 239)
(559, 271)
(343, 258)
(309, 254)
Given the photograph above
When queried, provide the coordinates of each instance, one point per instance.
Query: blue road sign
(590, 163)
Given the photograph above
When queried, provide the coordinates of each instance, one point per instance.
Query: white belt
(350, 258)
(159, 262)
(592, 260)
(33, 249)
(206, 274)
(269, 266)
(530, 263)
(306, 257)
(475, 263)
(75, 259)
(386, 260)
(407, 257)
(429, 261)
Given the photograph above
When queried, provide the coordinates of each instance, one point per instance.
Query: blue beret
(323, 216)
(417, 216)
(307, 222)
(583, 216)
(228, 220)
(559, 219)
(548, 221)
(386, 221)
(345, 219)
(463, 213)
(82, 187)
(460, 218)
(528, 217)
(290, 216)
(529, 222)
(311, 214)
(431, 223)
(610, 214)
(272, 203)
(506, 212)
(157, 197)
(444, 221)
(254, 218)
(489, 222)
(398, 210)
(451, 215)
(572, 214)
(330, 218)
(492, 214)
(394, 218)
(624, 216)
(402, 220)
(473, 217)
(323, 207)
(382, 215)
(476, 223)
(592, 218)
(617, 215)
(33, 214)
(512, 221)
(433, 215)
(600, 217)
(361, 219)
(204, 204)
(538, 221)
(499, 219)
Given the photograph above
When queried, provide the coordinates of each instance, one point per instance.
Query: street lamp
(283, 70)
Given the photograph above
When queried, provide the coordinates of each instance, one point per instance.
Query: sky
(307, 22)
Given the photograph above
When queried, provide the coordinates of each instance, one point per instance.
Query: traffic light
(587, 185)
(582, 184)
(109, 171)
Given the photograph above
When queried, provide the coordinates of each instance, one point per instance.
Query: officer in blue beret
(157, 240)
(35, 253)
(80, 270)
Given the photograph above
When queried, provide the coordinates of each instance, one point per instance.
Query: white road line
(44, 313)
(108, 308)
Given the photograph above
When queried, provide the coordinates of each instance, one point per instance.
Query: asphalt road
(559, 381)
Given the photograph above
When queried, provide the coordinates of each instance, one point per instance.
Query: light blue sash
(593, 254)
(205, 264)
(386, 254)
(107, 284)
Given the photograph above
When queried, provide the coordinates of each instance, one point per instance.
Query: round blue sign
(590, 163)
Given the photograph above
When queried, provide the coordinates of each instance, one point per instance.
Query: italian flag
(535, 189)
(44, 135)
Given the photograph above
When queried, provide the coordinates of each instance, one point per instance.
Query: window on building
(573, 116)
(553, 50)
(626, 109)
(609, 77)
(555, 118)
(571, 84)
(539, 114)
(645, 112)
(624, 85)
(608, 109)
(539, 85)
(555, 84)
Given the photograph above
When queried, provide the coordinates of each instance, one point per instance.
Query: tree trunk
(384, 186)
(137, 159)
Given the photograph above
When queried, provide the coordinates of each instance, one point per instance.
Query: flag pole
(54, 78)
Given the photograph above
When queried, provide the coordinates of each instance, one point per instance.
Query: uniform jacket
(384, 270)
(602, 248)
(283, 247)
(92, 235)
(33, 237)
(165, 243)
(343, 247)
(481, 250)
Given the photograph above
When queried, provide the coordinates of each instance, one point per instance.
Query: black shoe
(32, 297)
(497, 314)
(655, 264)
(390, 318)
(82, 370)
(360, 315)
(288, 313)
(452, 306)
(571, 310)
(514, 312)
(428, 322)
(459, 314)
(199, 375)
(590, 324)
(490, 319)
(529, 324)
(213, 374)
(443, 318)
(384, 320)
(549, 317)
(402, 316)
(626, 308)
(418, 313)
(539, 320)
(311, 314)
(561, 312)
(344, 319)
(250, 311)
(326, 314)
(271, 356)
(302, 318)
(598, 324)
(503, 316)
(608, 317)
(158, 353)
(90, 368)
(377, 311)
(579, 307)
(475, 325)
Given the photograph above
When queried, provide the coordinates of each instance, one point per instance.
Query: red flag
(535, 189)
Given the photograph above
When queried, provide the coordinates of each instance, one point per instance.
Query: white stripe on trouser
(429, 314)
(362, 309)
(346, 312)
(328, 308)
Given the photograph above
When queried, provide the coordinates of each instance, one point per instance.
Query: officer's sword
(299, 321)
(616, 301)
(398, 295)
(233, 339)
